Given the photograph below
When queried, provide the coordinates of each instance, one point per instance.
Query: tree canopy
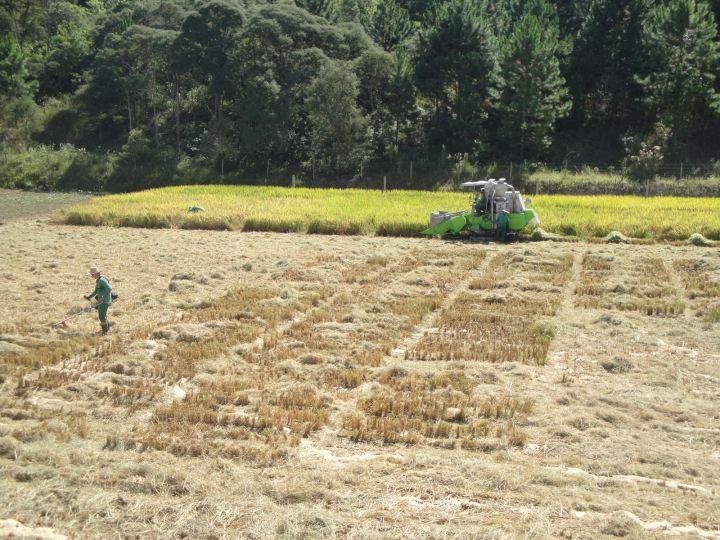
(336, 85)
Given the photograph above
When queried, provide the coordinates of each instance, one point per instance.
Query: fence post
(537, 185)
(267, 173)
(647, 188)
(411, 164)
(681, 168)
(222, 167)
(293, 181)
(510, 179)
(361, 170)
(384, 183)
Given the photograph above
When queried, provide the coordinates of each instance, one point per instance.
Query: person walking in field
(502, 221)
(104, 297)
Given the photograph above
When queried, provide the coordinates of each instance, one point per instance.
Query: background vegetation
(121, 95)
(396, 213)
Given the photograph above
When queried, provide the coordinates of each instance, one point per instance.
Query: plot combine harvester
(500, 196)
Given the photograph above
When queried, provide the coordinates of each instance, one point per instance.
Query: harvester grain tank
(481, 222)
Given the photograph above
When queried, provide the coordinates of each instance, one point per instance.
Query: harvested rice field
(263, 385)
(16, 204)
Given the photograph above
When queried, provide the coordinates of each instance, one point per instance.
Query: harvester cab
(482, 221)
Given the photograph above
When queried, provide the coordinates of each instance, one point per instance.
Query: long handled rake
(62, 323)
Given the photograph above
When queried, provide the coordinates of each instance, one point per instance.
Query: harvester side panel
(517, 221)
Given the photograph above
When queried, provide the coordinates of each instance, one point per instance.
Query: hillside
(124, 95)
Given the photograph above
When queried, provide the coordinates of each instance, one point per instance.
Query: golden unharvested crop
(395, 213)
(662, 218)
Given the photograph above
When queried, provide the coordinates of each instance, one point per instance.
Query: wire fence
(421, 173)
(665, 170)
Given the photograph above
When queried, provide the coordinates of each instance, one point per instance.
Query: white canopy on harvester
(513, 202)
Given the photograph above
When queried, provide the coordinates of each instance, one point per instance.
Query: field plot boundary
(393, 213)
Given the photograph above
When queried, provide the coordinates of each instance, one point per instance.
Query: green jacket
(481, 204)
(503, 220)
(102, 289)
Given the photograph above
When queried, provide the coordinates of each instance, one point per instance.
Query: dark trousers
(500, 233)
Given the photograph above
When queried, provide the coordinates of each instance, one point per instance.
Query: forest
(120, 95)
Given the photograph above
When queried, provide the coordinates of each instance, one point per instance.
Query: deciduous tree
(337, 125)
(206, 44)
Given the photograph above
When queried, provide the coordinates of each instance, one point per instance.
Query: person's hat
(505, 212)
(93, 270)
(482, 189)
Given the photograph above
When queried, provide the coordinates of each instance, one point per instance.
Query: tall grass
(394, 213)
(588, 182)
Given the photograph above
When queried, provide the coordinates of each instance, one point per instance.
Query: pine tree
(322, 8)
(455, 69)
(401, 93)
(681, 37)
(571, 15)
(389, 25)
(533, 95)
(609, 55)
(13, 73)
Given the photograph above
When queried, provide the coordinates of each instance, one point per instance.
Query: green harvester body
(501, 196)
